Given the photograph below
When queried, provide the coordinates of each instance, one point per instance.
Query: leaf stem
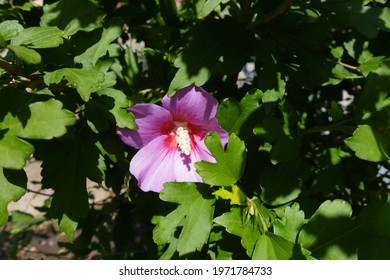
(345, 65)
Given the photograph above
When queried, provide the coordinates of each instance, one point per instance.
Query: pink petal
(153, 165)
(191, 104)
(214, 126)
(184, 165)
(151, 120)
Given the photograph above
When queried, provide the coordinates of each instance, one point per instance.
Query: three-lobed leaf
(229, 164)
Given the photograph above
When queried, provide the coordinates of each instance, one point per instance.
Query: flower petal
(191, 104)
(214, 126)
(184, 165)
(151, 120)
(153, 165)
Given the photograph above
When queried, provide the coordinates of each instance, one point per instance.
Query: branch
(246, 11)
(268, 17)
(15, 70)
(343, 128)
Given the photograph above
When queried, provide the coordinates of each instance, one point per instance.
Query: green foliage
(230, 164)
(13, 186)
(194, 215)
(303, 90)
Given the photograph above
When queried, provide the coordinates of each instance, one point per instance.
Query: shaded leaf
(194, 213)
(328, 233)
(90, 57)
(280, 184)
(72, 16)
(232, 115)
(364, 18)
(196, 62)
(234, 223)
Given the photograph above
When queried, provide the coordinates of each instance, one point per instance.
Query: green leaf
(236, 196)
(272, 247)
(3, 44)
(375, 249)
(72, 16)
(273, 85)
(67, 226)
(210, 5)
(230, 163)
(13, 185)
(47, 120)
(280, 184)
(233, 115)
(115, 103)
(369, 143)
(90, 57)
(85, 81)
(364, 18)
(25, 54)
(233, 222)
(39, 37)
(196, 62)
(372, 221)
(328, 234)
(10, 29)
(37, 120)
(290, 224)
(271, 129)
(372, 106)
(65, 168)
(194, 213)
(14, 151)
(335, 111)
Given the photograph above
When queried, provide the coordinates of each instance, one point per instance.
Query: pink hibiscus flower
(171, 137)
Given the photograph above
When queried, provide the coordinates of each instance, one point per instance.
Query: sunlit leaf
(230, 163)
(13, 185)
(39, 37)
